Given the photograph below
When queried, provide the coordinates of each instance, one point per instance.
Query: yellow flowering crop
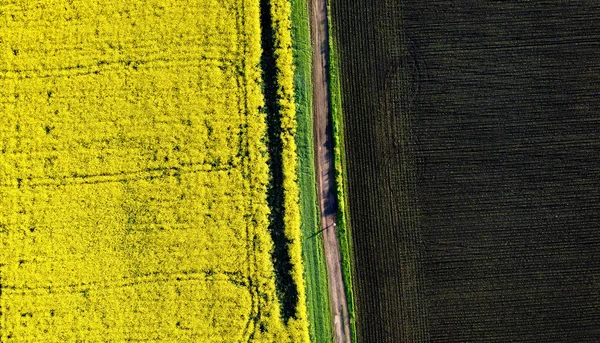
(133, 174)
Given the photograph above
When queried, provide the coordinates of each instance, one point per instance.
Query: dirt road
(325, 169)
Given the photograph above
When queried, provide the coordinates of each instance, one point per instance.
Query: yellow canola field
(133, 174)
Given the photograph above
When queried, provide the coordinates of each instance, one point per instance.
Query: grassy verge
(317, 292)
(343, 227)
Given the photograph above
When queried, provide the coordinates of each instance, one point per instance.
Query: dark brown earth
(472, 140)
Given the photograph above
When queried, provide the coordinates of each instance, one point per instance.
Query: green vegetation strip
(317, 292)
(343, 226)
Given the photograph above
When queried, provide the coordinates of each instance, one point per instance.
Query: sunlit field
(133, 174)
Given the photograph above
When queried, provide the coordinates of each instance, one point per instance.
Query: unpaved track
(325, 169)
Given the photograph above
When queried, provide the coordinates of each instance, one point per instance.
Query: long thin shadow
(286, 287)
(317, 233)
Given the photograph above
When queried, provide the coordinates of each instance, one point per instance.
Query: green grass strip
(317, 291)
(343, 227)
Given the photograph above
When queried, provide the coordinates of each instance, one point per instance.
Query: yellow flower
(133, 174)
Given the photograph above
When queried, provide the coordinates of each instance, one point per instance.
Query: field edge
(343, 217)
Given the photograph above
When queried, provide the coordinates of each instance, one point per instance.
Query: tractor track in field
(325, 168)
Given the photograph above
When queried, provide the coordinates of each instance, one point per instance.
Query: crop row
(380, 166)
